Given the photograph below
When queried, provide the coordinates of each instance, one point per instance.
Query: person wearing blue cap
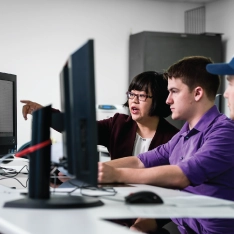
(225, 69)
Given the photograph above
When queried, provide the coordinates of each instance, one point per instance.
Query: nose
(169, 99)
(225, 94)
(135, 99)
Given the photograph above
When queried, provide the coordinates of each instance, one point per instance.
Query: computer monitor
(8, 114)
(78, 105)
(78, 126)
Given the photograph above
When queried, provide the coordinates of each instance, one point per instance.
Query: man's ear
(198, 93)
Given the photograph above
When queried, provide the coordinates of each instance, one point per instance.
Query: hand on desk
(60, 177)
(144, 225)
(29, 107)
(106, 173)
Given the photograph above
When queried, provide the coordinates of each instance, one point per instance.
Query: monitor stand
(55, 202)
(39, 173)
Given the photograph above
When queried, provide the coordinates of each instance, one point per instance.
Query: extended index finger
(25, 101)
(25, 111)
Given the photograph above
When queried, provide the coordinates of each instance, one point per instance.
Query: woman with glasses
(144, 129)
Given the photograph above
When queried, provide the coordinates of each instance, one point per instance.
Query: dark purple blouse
(118, 134)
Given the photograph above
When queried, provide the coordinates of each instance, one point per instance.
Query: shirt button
(186, 137)
(181, 158)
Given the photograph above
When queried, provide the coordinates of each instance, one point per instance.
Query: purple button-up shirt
(205, 154)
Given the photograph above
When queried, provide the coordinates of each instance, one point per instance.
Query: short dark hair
(192, 71)
(155, 83)
(230, 77)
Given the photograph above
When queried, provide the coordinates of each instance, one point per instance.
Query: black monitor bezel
(77, 82)
(8, 144)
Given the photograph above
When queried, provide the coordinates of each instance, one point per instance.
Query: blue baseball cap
(221, 68)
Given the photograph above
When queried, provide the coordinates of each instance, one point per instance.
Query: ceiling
(190, 1)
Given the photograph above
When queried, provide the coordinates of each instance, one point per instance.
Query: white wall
(37, 37)
(219, 19)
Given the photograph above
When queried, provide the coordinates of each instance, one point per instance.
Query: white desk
(91, 220)
(18, 164)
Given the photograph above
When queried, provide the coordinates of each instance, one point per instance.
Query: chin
(134, 117)
(174, 117)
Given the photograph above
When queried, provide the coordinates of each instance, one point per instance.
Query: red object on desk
(33, 148)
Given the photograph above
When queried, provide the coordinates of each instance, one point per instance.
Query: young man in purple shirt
(199, 159)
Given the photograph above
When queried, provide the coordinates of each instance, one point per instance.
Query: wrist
(117, 175)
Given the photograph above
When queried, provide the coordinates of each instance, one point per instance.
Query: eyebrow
(172, 89)
(139, 93)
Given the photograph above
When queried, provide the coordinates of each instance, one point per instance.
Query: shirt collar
(203, 123)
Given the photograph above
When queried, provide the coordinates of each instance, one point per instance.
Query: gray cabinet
(156, 51)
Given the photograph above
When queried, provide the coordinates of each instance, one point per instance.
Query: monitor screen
(8, 114)
(78, 105)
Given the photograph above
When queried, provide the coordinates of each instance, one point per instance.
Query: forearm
(164, 176)
(126, 162)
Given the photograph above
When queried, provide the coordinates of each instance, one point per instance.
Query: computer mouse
(143, 197)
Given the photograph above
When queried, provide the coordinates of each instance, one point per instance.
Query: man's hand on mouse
(106, 173)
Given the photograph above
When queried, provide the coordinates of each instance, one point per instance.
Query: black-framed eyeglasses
(140, 97)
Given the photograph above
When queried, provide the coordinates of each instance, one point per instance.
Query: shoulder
(223, 122)
(117, 119)
(221, 129)
(212, 120)
(122, 118)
